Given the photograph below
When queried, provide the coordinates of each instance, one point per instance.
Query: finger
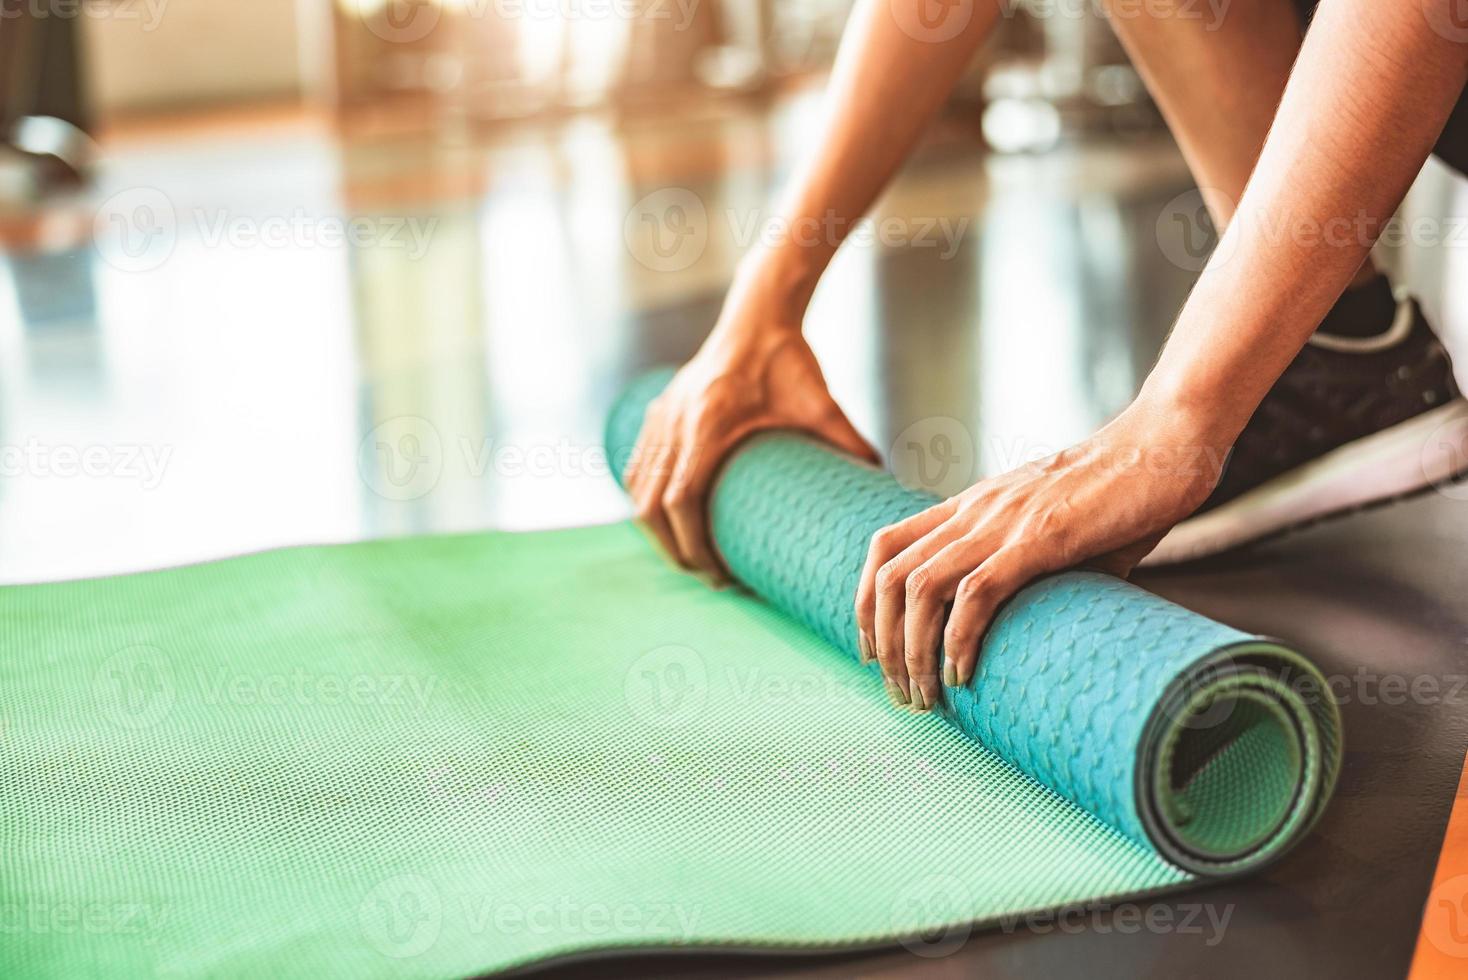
(980, 594)
(1123, 561)
(885, 545)
(892, 602)
(648, 453)
(685, 501)
(839, 432)
(649, 510)
(930, 587)
(632, 472)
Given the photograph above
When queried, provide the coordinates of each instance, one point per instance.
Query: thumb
(837, 429)
(1122, 561)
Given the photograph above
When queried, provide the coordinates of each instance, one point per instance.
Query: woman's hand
(1103, 503)
(755, 372)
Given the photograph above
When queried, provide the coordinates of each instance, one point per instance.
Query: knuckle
(1031, 526)
(975, 587)
(718, 401)
(884, 542)
(974, 502)
(890, 580)
(920, 584)
(919, 662)
(650, 459)
(1045, 524)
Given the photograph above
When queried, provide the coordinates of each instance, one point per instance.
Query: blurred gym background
(304, 270)
(445, 63)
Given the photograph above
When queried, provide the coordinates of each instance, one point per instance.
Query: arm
(885, 88)
(755, 371)
(1372, 89)
(1370, 93)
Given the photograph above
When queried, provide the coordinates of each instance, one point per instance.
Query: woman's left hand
(1103, 503)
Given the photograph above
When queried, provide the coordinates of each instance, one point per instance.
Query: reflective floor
(258, 336)
(259, 333)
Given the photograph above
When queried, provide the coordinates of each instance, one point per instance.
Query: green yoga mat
(453, 755)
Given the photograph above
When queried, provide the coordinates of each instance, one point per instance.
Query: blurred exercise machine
(43, 114)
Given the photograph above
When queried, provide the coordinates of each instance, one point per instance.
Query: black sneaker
(1353, 421)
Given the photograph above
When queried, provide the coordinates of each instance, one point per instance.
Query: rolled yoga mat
(1216, 749)
(446, 756)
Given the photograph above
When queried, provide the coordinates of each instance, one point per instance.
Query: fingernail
(967, 675)
(918, 704)
(895, 693)
(864, 647)
(950, 674)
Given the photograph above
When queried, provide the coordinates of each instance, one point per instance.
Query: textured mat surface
(1216, 748)
(446, 756)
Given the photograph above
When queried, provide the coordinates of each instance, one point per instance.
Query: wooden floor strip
(1442, 942)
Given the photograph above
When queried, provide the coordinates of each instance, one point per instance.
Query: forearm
(886, 86)
(1370, 93)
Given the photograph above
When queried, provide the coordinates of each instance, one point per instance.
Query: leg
(1217, 72)
(1369, 409)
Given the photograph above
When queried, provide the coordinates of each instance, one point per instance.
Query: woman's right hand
(755, 372)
